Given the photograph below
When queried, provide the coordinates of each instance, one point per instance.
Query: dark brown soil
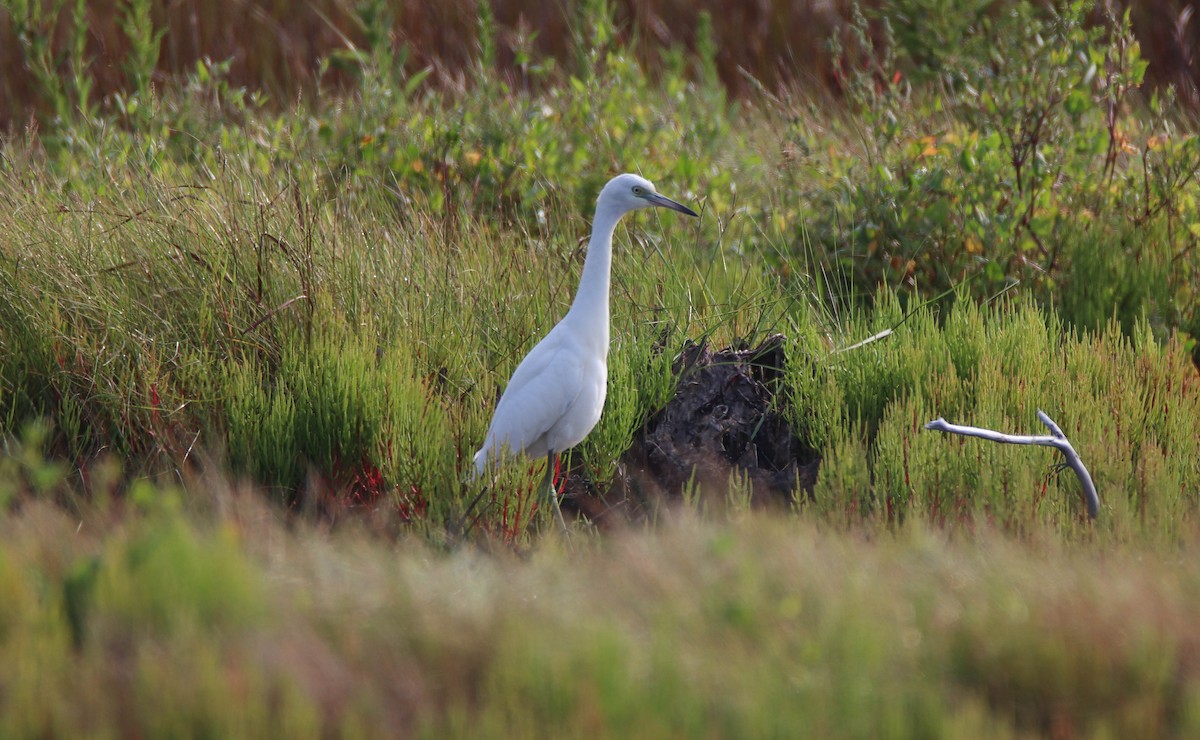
(722, 418)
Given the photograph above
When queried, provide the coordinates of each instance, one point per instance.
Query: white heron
(556, 394)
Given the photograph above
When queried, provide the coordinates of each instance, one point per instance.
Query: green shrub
(1032, 145)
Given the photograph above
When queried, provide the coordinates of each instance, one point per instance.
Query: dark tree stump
(721, 419)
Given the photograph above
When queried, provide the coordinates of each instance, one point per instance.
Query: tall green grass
(328, 301)
(1129, 403)
(314, 347)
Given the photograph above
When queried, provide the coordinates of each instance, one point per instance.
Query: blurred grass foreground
(264, 269)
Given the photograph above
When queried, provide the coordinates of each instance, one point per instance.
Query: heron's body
(556, 394)
(553, 400)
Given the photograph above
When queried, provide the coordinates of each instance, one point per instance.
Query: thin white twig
(1056, 439)
(873, 338)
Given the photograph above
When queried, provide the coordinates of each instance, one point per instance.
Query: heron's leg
(548, 489)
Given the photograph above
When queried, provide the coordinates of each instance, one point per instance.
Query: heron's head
(630, 192)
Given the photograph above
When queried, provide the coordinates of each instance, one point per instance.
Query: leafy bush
(1030, 144)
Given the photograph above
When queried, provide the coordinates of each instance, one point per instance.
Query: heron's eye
(639, 190)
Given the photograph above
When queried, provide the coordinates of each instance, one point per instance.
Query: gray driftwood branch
(1056, 439)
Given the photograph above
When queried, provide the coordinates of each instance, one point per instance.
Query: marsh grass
(207, 612)
(328, 302)
(246, 354)
(323, 352)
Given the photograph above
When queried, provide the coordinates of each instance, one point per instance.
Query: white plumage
(556, 394)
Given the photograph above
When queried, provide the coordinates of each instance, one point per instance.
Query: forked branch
(1055, 439)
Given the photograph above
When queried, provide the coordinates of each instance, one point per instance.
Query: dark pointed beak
(663, 201)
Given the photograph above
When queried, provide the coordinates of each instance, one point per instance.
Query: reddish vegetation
(277, 47)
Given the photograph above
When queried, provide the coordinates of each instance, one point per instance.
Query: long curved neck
(589, 311)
